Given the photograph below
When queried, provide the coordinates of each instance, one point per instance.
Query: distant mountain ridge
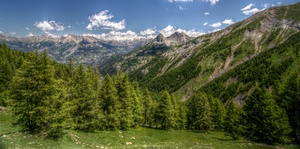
(197, 62)
(84, 49)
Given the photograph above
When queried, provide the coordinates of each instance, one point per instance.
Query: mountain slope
(84, 49)
(186, 68)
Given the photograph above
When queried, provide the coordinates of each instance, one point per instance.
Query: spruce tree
(83, 100)
(199, 113)
(218, 112)
(34, 95)
(166, 112)
(110, 103)
(126, 97)
(265, 121)
(290, 101)
(233, 123)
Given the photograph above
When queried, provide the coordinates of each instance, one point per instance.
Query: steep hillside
(196, 64)
(84, 49)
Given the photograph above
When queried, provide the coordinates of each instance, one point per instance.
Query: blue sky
(124, 19)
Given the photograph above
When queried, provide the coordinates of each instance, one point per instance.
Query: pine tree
(138, 108)
(265, 121)
(289, 99)
(166, 112)
(83, 100)
(218, 112)
(232, 123)
(199, 113)
(34, 95)
(110, 103)
(149, 109)
(126, 97)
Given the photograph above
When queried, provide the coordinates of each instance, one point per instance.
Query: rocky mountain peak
(160, 38)
(178, 38)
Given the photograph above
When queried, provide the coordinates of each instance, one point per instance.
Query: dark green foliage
(288, 97)
(218, 112)
(166, 114)
(199, 113)
(35, 96)
(233, 123)
(265, 121)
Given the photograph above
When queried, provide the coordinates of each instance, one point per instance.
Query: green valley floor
(12, 137)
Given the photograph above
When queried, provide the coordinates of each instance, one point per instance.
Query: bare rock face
(178, 38)
(160, 38)
(175, 39)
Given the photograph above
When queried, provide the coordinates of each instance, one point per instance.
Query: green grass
(12, 137)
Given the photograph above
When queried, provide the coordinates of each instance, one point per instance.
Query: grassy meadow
(12, 137)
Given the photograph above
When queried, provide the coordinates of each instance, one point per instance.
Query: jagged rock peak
(160, 38)
(179, 37)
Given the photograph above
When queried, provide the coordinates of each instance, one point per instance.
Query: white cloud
(248, 7)
(205, 24)
(218, 24)
(30, 35)
(228, 21)
(212, 2)
(279, 3)
(102, 20)
(215, 30)
(206, 13)
(27, 28)
(13, 33)
(251, 11)
(191, 33)
(116, 35)
(148, 32)
(180, 8)
(49, 26)
(169, 30)
(180, 1)
(1, 32)
(265, 5)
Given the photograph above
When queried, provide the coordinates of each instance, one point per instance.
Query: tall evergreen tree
(233, 123)
(82, 100)
(265, 121)
(34, 95)
(289, 99)
(199, 113)
(110, 103)
(166, 113)
(218, 112)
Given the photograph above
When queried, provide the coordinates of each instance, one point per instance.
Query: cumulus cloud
(248, 7)
(1, 32)
(218, 24)
(148, 32)
(212, 2)
(103, 20)
(13, 33)
(228, 21)
(180, 1)
(206, 13)
(251, 11)
(248, 10)
(47, 26)
(204, 24)
(30, 35)
(27, 28)
(169, 30)
(116, 35)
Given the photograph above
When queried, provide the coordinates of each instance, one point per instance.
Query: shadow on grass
(223, 139)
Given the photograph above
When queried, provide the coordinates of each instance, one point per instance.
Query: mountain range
(226, 64)
(82, 49)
